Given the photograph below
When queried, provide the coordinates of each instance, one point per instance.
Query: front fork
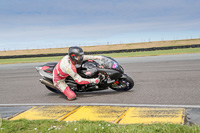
(117, 82)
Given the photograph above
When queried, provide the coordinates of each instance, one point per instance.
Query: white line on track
(102, 104)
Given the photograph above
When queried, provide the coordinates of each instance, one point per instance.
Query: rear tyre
(123, 84)
(53, 90)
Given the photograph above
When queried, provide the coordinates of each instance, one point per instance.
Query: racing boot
(69, 93)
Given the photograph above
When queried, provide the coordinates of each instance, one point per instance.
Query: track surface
(165, 80)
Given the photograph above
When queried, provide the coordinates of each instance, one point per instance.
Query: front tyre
(124, 84)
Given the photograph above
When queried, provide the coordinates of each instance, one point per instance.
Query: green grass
(114, 55)
(83, 126)
(30, 60)
(155, 53)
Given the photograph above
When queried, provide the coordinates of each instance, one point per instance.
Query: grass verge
(105, 47)
(114, 55)
(44, 126)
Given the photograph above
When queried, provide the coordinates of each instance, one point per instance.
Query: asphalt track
(159, 80)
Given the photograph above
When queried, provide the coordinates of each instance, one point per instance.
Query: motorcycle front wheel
(123, 84)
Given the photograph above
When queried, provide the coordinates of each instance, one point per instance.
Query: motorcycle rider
(66, 67)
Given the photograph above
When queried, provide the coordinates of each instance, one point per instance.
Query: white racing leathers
(65, 68)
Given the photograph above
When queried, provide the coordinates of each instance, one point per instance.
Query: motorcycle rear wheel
(52, 89)
(123, 84)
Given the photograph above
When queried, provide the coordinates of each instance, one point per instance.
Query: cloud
(93, 30)
(54, 20)
(93, 11)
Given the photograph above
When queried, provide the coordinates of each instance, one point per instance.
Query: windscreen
(108, 63)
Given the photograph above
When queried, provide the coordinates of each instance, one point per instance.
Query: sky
(33, 24)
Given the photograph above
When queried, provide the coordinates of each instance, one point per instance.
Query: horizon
(105, 44)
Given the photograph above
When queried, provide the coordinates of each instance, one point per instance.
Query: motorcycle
(108, 70)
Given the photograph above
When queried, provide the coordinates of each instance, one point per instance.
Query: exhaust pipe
(47, 83)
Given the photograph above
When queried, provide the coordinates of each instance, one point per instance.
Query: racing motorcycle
(108, 70)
